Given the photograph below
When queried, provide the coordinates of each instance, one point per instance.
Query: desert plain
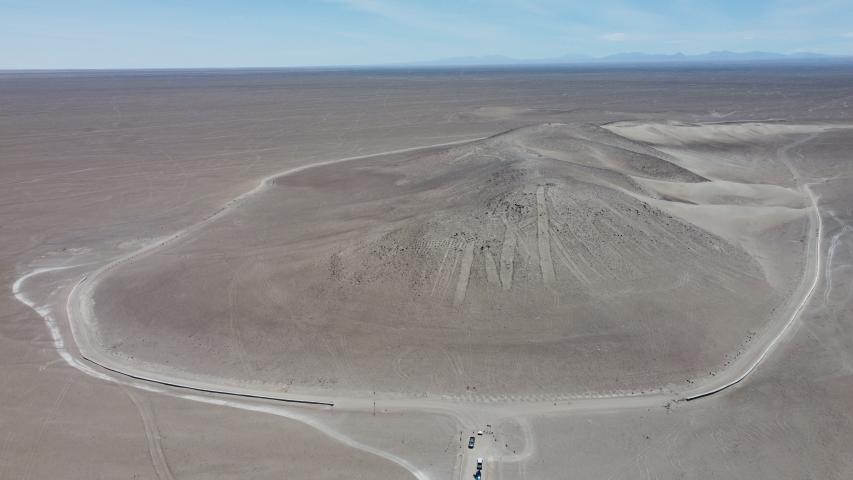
(610, 272)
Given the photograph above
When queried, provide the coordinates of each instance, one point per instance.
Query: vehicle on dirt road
(471, 442)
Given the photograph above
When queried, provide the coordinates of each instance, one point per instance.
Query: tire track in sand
(152, 436)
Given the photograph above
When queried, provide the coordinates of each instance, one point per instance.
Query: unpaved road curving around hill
(814, 262)
(619, 240)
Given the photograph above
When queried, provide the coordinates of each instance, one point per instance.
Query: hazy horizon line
(624, 59)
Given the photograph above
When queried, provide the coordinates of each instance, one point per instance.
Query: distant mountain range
(629, 57)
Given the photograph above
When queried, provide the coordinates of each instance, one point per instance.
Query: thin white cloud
(384, 9)
(614, 37)
(529, 6)
(412, 15)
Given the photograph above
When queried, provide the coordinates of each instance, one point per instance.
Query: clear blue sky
(218, 33)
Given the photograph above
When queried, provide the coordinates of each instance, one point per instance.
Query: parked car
(471, 442)
(480, 463)
(478, 475)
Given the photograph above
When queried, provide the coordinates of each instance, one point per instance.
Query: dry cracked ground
(570, 252)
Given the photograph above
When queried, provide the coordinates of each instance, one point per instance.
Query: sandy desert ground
(557, 257)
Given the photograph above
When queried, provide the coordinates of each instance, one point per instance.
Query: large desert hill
(548, 261)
